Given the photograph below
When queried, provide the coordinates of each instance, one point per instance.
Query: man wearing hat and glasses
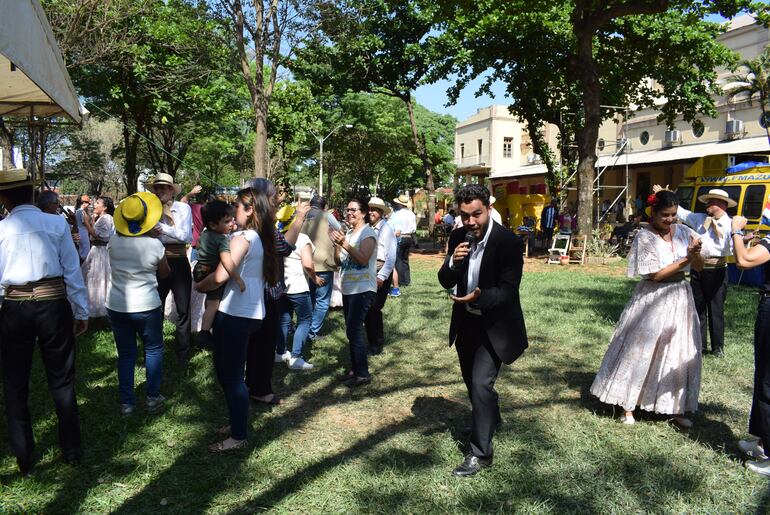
(386, 259)
(709, 287)
(404, 225)
(175, 232)
(42, 283)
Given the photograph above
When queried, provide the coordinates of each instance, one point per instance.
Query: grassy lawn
(390, 447)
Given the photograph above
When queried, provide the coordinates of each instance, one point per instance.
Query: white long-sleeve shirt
(713, 247)
(403, 220)
(181, 231)
(386, 248)
(35, 246)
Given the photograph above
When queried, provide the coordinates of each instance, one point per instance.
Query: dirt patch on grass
(532, 264)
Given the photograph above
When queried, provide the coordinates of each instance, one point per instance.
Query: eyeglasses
(351, 209)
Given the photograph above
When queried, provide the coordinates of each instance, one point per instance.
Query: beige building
(633, 154)
(494, 144)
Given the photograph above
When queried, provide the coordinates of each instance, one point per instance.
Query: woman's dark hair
(470, 192)
(109, 205)
(662, 200)
(362, 204)
(262, 220)
(216, 210)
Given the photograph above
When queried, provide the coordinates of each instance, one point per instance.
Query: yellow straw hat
(137, 214)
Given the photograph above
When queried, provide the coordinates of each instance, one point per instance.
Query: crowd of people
(269, 269)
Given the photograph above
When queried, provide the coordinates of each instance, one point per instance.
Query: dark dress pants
(179, 282)
(479, 365)
(375, 330)
(759, 421)
(709, 289)
(50, 323)
(405, 244)
(261, 351)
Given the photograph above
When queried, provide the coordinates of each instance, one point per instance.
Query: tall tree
(753, 81)
(583, 55)
(378, 46)
(265, 34)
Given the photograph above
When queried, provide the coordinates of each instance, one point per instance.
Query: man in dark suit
(484, 264)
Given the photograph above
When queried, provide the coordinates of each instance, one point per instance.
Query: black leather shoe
(355, 381)
(72, 456)
(719, 353)
(375, 350)
(471, 465)
(25, 465)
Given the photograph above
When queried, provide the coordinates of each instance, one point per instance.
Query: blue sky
(433, 96)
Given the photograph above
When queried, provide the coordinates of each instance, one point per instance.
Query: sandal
(223, 447)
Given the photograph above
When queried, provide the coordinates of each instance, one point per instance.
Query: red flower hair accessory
(652, 200)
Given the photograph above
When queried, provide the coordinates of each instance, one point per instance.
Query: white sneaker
(753, 449)
(627, 419)
(280, 358)
(299, 364)
(760, 467)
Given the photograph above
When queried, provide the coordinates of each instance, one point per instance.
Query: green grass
(390, 447)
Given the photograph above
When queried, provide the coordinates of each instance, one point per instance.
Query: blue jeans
(321, 296)
(149, 326)
(356, 307)
(231, 340)
(300, 304)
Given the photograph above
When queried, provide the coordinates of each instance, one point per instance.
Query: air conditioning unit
(672, 137)
(621, 145)
(734, 129)
(534, 159)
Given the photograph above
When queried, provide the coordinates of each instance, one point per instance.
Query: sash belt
(45, 289)
(176, 250)
(715, 262)
(98, 243)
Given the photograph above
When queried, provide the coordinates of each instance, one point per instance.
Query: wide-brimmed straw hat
(492, 199)
(378, 203)
(15, 178)
(164, 178)
(403, 200)
(285, 217)
(137, 214)
(718, 194)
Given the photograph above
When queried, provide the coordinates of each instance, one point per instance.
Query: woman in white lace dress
(654, 358)
(96, 267)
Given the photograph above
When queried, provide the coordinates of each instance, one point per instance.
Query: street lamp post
(321, 154)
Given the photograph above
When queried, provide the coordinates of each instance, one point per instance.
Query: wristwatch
(739, 232)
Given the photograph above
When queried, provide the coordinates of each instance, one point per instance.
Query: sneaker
(760, 467)
(395, 292)
(627, 419)
(155, 403)
(299, 364)
(126, 409)
(205, 340)
(280, 358)
(752, 449)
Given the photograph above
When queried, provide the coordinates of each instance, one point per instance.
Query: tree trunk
(6, 145)
(130, 144)
(427, 166)
(588, 74)
(260, 139)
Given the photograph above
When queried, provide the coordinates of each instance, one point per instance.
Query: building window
(600, 144)
(479, 146)
(644, 138)
(698, 128)
(764, 120)
(508, 147)
(462, 150)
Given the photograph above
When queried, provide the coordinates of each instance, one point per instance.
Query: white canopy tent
(33, 78)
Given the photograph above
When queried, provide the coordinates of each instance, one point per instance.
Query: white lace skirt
(96, 275)
(654, 358)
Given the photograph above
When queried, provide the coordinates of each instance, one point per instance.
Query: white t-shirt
(359, 278)
(133, 273)
(293, 273)
(251, 302)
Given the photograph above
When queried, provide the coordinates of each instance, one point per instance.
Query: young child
(213, 247)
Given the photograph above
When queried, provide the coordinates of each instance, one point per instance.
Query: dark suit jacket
(499, 279)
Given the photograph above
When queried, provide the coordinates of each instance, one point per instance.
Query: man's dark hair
(470, 192)
(18, 196)
(318, 202)
(215, 211)
(46, 198)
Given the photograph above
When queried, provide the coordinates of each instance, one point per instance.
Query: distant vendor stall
(34, 84)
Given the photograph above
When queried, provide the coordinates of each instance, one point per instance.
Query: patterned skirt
(654, 358)
(96, 275)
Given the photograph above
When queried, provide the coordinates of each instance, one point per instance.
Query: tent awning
(33, 77)
(521, 171)
(688, 152)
